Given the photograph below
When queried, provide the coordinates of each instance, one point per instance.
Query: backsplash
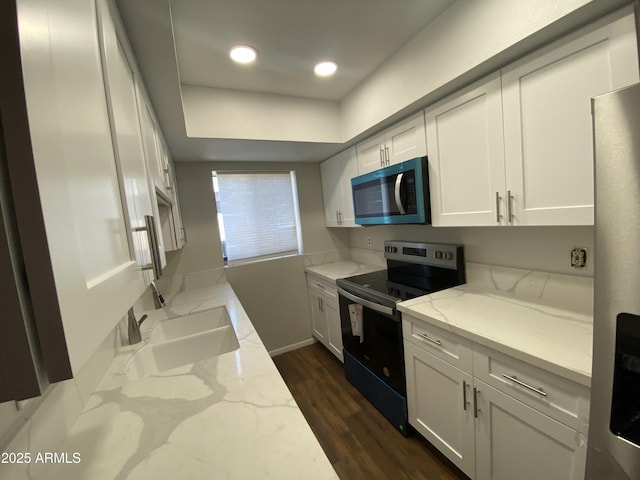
(327, 256)
(545, 249)
(568, 292)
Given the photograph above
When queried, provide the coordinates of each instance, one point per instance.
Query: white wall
(467, 41)
(273, 292)
(535, 248)
(224, 113)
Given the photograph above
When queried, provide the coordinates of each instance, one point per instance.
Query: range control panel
(436, 254)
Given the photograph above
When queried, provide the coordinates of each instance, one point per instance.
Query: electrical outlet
(369, 243)
(579, 257)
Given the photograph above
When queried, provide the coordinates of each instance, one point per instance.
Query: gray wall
(272, 292)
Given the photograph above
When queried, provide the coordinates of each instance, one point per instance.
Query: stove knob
(448, 256)
(438, 254)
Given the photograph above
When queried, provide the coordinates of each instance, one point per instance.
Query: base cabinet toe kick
(495, 417)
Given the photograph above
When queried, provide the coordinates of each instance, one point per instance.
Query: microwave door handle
(366, 303)
(398, 198)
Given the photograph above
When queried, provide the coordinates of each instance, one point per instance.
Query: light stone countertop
(541, 318)
(346, 268)
(228, 417)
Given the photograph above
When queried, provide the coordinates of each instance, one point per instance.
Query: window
(258, 215)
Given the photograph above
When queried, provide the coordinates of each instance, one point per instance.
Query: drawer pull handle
(423, 336)
(319, 285)
(514, 379)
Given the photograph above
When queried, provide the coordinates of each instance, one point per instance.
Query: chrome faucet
(158, 299)
(134, 327)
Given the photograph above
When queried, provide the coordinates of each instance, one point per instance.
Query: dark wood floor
(359, 441)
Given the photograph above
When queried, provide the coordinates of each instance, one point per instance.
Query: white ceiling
(186, 42)
(291, 36)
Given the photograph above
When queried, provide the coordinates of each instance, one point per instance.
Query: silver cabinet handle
(381, 156)
(498, 214)
(339, 217)
(515, 380)
(475, 403)
(510, 206)
(397, 194)
(423, 336)
(386, 150)
(154, 246)
(319, 285)
(464, 395)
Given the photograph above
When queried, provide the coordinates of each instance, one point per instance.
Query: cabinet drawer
(322, 287)
(550, 394)
(437, 341)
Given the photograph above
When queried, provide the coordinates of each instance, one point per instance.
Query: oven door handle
(366, 303)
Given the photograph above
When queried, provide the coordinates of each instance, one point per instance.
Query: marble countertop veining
(542, 319)
(346, 268)
(228, 417)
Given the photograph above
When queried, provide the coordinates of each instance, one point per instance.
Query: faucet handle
(157, 296)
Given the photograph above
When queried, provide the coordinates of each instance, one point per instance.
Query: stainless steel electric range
(372, 326)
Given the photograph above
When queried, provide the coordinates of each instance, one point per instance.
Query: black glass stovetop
(401, 281)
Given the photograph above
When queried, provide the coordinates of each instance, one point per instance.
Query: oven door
(380, 347)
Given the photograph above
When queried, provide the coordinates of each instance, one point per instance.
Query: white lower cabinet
(325, 314)
(515, 441)
(504, 433)
(438, 396)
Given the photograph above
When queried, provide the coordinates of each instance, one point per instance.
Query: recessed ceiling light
(325, 69)
(243, 54)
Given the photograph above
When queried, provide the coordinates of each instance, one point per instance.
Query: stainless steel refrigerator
(614, 429)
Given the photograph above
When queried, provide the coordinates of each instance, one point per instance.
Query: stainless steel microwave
(398, 194)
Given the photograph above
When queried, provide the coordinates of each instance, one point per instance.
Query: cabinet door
(406, 140)
(371, 154)
(516, 441)
(151, 149)
(127, 139)
(547, 121)
(334, 328)
(147, 128)
(96, 279)
(330, 172)
(440, 407)
(337, 173)
(318, 318)
(466, 156)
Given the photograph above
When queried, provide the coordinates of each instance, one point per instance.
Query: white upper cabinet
(548, 125)
(127, 138)
(96, 276)
(403, 141)
(337, 173)
(466, 156)
(516, 147)
(151, 147)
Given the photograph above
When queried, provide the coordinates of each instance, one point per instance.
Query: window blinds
(259, 214)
